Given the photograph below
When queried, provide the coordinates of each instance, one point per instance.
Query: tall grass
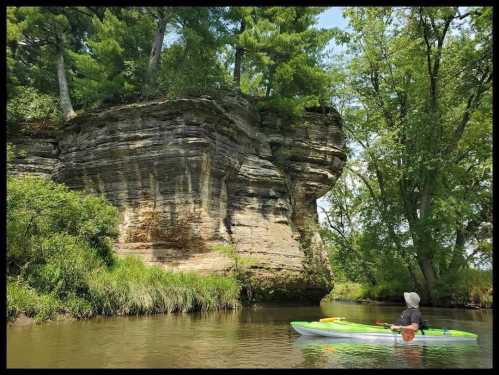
(130, 287)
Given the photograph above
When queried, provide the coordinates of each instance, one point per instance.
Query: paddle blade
(407, 335)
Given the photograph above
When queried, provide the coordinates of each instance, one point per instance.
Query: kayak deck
(346, 329)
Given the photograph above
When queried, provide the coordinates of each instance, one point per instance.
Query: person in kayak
(410, 317)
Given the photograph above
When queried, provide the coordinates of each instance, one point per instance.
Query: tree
(162, 16)
(112, 66)
(193, 61)
(51, 30)
(284, 49)
(14, 35)
(239, 17)
(421, 88)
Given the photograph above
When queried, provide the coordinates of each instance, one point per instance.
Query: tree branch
(365, 181)
(472, 104)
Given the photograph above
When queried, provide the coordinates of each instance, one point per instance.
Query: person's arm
(415, 318)
(413, 326)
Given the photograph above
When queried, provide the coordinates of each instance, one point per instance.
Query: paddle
(407, 334)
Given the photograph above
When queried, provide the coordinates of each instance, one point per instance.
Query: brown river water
(254, 336)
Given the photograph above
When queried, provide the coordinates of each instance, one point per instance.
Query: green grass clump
(130, 287)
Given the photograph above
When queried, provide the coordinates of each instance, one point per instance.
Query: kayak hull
(308, 330)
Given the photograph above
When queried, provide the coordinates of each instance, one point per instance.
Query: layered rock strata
(36, 156)
(190, 174)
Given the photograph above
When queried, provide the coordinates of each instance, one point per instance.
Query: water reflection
(341, 353)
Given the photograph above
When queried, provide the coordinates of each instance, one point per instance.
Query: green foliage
(283, 57)
(30, 105)
(348, 291)
(192, 61)
(21, 298)
(38, 210)
(241, 266)
(415, 96)
(64, 267)
(77, 307)
(107, 53)
(242, 263)
(468, 286)
(288, 108)
(54, 238)
(111, 68)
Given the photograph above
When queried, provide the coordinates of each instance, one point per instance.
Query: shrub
(64, 267)
(30, 105)
(465, 286)
(348, 291)
(289, 109)
(20, 298)
(79, 308)
(23, 299)
(47, 307)
(38, 209)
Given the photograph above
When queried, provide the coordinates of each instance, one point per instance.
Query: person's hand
(394, 327)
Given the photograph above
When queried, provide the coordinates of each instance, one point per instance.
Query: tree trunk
(238, 59)
(269, 83)
(422, 242)
(429, 275)
(67, 108)
(458, 258)
(157, 43)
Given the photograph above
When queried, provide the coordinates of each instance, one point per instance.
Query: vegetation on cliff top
(60, 261)
(63, 60)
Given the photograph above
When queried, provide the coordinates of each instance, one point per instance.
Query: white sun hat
(412, 299)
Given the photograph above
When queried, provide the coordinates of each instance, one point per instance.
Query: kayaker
(410, 317)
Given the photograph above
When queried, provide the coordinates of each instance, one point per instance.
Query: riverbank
(127, 288)
(358, 293)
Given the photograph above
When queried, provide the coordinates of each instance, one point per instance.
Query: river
(254, 336)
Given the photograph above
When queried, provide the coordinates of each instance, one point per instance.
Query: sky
(332, 17)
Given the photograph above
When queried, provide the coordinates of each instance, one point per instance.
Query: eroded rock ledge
(190, 173)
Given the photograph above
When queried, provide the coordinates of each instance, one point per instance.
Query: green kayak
(346, 329)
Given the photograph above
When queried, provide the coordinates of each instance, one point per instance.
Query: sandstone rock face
(191, 173)
(35, 156)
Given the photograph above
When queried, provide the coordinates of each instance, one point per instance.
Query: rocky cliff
(189, 174)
